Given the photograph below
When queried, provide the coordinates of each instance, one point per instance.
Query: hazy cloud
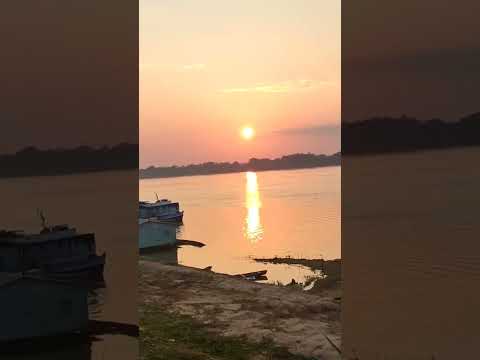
(192, 67)
(280, 87)
(313, 130)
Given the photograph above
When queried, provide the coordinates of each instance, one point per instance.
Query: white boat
(163, 210)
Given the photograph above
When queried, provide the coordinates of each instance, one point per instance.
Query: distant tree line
(31, 161)
(402, 134)
(294, 161)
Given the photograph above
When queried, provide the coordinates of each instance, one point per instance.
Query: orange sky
(209, 67)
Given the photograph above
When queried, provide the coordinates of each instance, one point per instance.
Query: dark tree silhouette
(31, 161)
(295, 161)
(403, 134)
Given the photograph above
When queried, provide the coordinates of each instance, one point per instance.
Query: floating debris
(181, 242)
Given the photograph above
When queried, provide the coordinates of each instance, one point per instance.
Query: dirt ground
(305, 323)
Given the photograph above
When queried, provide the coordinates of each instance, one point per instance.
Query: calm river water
(264, 214)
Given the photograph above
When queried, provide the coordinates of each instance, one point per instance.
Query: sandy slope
(307, 324)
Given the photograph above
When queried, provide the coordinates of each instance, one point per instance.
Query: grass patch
(176, 337)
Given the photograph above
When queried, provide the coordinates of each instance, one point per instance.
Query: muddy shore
(329, 284)
(305, 323)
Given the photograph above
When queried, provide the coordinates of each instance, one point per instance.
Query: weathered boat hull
(90, 269)
(35, 307)
(154, 233)
(172, 218)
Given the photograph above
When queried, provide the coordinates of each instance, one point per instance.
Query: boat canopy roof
(56, 233)
(161, 203)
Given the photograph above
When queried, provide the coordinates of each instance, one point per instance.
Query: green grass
(176, 337)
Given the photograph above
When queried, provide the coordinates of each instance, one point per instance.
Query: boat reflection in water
(253, 230)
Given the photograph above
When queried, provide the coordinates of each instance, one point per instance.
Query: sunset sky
(209, 68)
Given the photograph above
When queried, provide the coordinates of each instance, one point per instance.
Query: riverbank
(304, 324)
(330, 284)
(170, 336)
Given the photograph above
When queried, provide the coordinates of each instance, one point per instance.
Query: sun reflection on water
(253, 230)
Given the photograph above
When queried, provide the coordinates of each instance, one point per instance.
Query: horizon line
(236, 161)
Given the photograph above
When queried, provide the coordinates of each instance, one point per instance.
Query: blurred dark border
(410, 149)
(69, 155)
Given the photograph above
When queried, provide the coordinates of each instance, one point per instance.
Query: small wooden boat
(254, 276)
(255, 273)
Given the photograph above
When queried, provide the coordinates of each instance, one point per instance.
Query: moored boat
(162, 210)
(58, 251)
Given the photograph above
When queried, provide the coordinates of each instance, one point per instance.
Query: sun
(248, 133)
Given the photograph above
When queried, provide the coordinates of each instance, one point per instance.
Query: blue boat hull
(154, 233)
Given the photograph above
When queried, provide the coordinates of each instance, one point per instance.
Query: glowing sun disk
(248, 133)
